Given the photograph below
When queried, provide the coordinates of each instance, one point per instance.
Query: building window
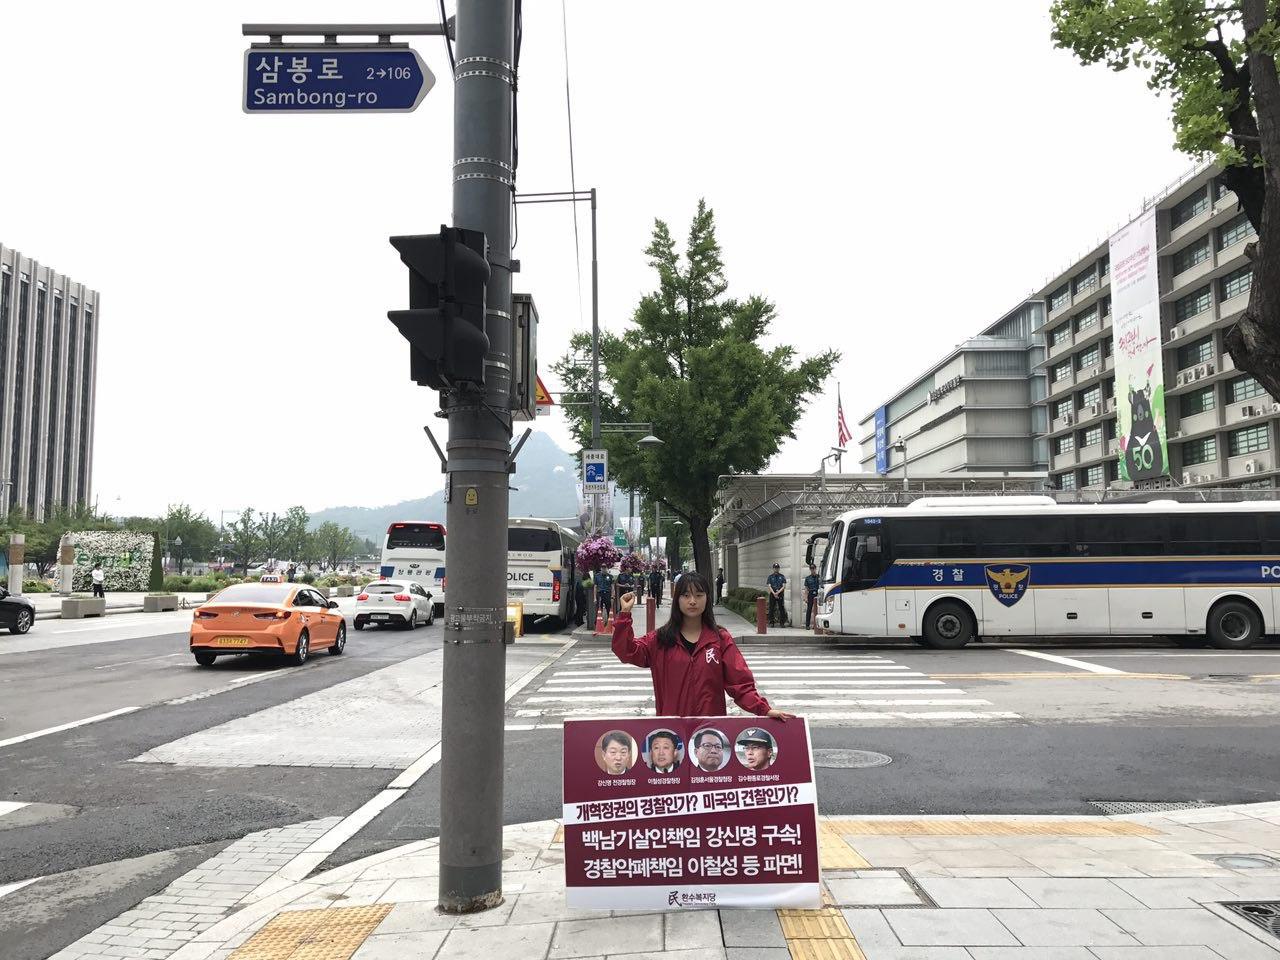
(1195, 353)
(1062, 371)
(1234, 231)
(1199, 451)
(1091, 357)
(1189, 208)
(20, 390)
(1193, 303)
(1104, 265)
(1236, 282)
(69, 409)
(1092, 436)
(5, 281)
(1092, 396)
(1087, 319)
(1109, 429)
(1059, 335)
(55, 398)
(1197, 401)
(1188, 257)
(1062, 408)
(1248, 440)
(1220, 189)
(1059, 298)
(1067, 481)
(1106, 306)
(1243, 388)
(1064, 444)
(1086, 280)
(86, 393)
(37, 401)
(1106, 347)
(1093, 476)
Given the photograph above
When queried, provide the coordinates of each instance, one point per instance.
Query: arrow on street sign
(347, 79)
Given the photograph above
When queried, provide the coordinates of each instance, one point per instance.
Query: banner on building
(674, 813)
(1139, 367)
(882, 440)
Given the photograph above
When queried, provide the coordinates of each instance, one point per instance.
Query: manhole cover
(1244, 861)
(1118, 807)
(847, 759)
(1262, 913)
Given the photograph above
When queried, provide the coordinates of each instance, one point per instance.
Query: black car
(16, 613)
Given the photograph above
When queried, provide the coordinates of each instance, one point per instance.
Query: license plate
(233, 641)
(382, 616)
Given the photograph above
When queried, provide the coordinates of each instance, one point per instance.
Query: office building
(48, 376)
(1220, 426)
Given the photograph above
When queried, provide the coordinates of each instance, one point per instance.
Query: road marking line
(1068, 662)
(8, 888)
(941, 827)
(1062, 676)
(125, 663)
(67, 726)
(8, 806)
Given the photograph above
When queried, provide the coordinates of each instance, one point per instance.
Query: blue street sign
(334, 79)
(595, 473)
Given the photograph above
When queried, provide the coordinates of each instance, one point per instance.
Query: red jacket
(691, 686)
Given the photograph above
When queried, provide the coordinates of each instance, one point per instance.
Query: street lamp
(900, 446)
(177, 542)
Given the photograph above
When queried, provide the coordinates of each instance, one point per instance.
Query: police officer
(757, 748)
(812, 590)
(604, 591)
(655, 586)
(777, 585)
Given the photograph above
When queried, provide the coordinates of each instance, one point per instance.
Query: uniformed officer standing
(812, 590)
(777, 585)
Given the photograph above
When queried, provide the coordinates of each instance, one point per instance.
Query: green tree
(334, 542)
(296, 521)
(274, 531)
(1216, 60)
(156, 582)
(244, 543)
(44, 537)
(198, 534)
(692, 364)
(312, 550)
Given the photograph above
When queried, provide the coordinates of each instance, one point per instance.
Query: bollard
(650, 613)
(762, 615)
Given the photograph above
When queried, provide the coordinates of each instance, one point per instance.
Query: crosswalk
(830, 687)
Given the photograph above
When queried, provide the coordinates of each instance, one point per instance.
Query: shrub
(309, 578)
(35, 586)
(745, 594)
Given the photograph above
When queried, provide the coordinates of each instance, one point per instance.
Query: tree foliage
(334, 543)
(692, 362)
(198, 535)
(1216, 61)
(243, 541)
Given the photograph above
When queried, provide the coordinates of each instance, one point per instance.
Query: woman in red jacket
(694, 662)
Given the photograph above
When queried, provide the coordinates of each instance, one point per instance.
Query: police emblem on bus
(1009, 583)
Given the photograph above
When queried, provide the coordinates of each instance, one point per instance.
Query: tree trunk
(1254, 342)
(698, 527)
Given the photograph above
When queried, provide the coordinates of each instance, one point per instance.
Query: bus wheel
(1234, 625)
(948, 625)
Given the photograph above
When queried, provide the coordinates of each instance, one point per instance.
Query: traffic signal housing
(445, 322)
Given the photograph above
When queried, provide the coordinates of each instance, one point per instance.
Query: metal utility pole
(595, 351)
(471, 765)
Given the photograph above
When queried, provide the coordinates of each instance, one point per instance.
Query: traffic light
(448, 273)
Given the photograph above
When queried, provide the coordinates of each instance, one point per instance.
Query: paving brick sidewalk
(1138, 887)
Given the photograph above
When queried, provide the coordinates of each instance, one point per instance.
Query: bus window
(423, 536)
(532, 540)
(831, 556)
(1226, 534)
(864, 557)
(1120, 535)
(934, 538)
(1016, 537)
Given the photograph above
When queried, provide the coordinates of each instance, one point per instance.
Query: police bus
(414, 550)
(541, 564)
(945, 571)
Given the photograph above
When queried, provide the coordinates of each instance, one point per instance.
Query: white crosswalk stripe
(829, 687)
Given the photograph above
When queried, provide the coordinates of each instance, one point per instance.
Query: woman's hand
(780, 715)
(626, 602)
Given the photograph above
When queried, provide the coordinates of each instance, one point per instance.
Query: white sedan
(400, 602)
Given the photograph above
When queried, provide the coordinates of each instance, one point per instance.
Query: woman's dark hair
(669, 632)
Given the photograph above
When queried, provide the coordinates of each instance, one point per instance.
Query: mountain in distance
(546, 480)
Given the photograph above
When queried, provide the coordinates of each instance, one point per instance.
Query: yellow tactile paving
(818, 935)
(834, 853)
(334, 933)
(990, 828)
(559, 837)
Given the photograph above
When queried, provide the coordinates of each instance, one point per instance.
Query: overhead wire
(448, 40)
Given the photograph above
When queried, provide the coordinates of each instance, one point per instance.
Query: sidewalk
(1134, 887)
(744, 631)
(49, 605)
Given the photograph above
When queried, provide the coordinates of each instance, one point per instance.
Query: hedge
(36, 586)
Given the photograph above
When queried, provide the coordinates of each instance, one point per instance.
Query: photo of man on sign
(615, 753)
(710, 750)
(755, 749)
(665, 751)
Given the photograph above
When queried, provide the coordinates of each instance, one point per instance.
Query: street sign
(542, 399)
(334, 79)
(619, 537)
(595, 471)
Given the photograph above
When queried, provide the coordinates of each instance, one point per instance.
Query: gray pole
(595, 353)
(471, 764)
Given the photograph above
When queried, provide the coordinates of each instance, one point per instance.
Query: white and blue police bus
(414, 550)
(945, 571)
(541, 566)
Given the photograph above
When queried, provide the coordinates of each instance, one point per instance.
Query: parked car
(16, 613)
(280, 619)
(404, 603)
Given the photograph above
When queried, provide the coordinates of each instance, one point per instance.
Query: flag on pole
(842, 428)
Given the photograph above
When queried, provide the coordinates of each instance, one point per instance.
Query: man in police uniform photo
(663, 751)
(756, 748)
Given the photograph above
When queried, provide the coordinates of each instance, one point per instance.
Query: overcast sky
(892, 186)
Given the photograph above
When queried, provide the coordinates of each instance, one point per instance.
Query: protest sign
(681, 812)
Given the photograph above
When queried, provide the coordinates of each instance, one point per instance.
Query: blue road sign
(334, 79)
(595, 473)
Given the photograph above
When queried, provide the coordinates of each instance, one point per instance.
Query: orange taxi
(282, 619)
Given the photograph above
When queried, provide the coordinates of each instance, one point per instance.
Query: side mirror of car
(333, 604)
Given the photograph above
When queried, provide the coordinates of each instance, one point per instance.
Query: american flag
(842, 428)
